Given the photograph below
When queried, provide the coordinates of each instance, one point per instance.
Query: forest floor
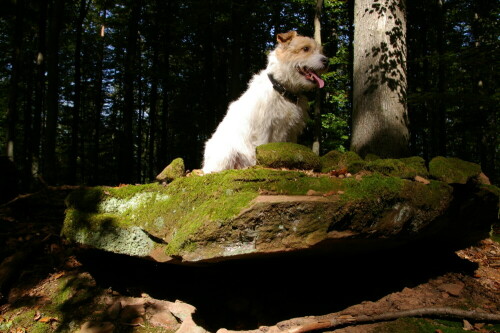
(48, 285)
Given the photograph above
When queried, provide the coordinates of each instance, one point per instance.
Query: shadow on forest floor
(251, 293)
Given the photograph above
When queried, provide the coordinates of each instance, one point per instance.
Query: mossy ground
(71, 298)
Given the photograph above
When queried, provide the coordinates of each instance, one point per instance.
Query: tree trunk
(317, 103)
(12, 107)
(153, 114)
(98, 103)
(164, 65)
(127, 165)
(34, 159)
(75, 137)
(438, 116)
(50, 168)
(380, 121)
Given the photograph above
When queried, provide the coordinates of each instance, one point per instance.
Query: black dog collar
(294, 98)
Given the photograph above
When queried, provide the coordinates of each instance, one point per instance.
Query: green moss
(287, 155)
(335, 160)
(371, 157)
(403, 168)
(453, 170)
(372, 187)
(178, 211)
(174, 170)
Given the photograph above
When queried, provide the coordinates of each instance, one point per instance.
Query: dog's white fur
(262, 115)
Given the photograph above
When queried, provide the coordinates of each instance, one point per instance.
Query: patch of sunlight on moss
(373, 186)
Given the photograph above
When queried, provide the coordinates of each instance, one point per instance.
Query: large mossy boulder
(256, 212)
(453, 170)
(287, 155)
(407, 168)
(349, 161)
(336, 160)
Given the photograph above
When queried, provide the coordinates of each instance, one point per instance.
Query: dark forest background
(109, 92)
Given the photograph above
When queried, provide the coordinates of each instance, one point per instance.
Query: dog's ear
(286, 37)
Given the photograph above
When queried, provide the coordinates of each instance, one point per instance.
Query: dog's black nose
(325, 61)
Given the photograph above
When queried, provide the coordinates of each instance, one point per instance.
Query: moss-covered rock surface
(453, 170)
(172, 171)
(257, 211)
(287, 155)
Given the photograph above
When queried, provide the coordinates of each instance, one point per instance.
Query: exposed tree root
(334, 321)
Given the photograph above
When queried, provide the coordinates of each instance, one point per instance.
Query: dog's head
(300, 61)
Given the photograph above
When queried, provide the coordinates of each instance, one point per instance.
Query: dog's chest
(286, 118)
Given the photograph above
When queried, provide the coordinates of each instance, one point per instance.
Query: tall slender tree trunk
(317, 102)
(127, 163)
(75, 137)
(165, 131)
(438, 116)
(12, 107)
(34, 158)
(380, 121)
(50, 167)
(482, 85)
(98, 103)
(153, 110)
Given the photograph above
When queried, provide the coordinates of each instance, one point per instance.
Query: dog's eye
(306, 49)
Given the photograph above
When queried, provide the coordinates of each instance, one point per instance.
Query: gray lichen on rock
(132, 241)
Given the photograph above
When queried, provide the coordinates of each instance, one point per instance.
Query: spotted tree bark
(380, 120)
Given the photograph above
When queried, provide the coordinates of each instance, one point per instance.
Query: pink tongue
(318, 80)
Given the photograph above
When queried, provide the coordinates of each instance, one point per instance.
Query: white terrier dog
(272, 109)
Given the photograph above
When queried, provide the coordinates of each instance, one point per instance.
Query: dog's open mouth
(311, 75)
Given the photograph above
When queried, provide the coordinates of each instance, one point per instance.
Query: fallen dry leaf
(313, 192)
(468, 326)
(337, 173)
(47, 319)
(37, 316)
(422, 180)
(58, 275)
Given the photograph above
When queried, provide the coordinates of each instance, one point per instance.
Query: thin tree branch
(343, 320)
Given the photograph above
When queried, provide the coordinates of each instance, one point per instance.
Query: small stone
(313, 192)
(454, 289)
(114, 310)
(137, 321)
(130, 312)
(164, 319)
